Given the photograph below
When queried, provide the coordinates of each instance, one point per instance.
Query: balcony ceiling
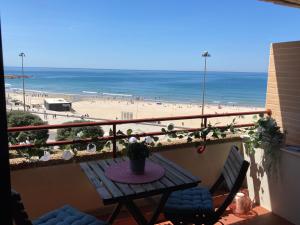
(291, 3)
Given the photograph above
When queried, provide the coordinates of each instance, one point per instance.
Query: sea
(224, 88)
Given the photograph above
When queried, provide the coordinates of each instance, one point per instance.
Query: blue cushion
(67, 215)
(192, 202)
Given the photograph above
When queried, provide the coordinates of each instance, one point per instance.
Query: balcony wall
(281, 193)
(283, 93)
(47, 188)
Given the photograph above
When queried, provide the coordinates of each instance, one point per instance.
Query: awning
(291, 3)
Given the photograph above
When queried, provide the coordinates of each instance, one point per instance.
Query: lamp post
(205, 55)
(22, 55)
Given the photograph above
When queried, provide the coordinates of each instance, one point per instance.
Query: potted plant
(137, 153)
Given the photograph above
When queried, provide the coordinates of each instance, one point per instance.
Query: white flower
(27, 142)
(132, 140)
(67, 154)
(245, 136)
(170, 126)
(149, 140)
(91, 147)
(46, 156)
(106, 134)
(80, 134)
(34, 158)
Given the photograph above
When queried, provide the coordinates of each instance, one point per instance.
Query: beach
(108, 108)
(100, 94)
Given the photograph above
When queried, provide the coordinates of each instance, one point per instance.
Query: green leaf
(119, 132)
(155, 138)
(163, 130)
(129, 132)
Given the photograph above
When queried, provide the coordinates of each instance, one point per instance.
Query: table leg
(115, 213)
(159, 208)
(137, 214)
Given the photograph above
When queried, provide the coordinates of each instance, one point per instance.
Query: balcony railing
(115, 136)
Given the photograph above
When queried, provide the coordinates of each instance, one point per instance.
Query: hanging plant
(267, 135)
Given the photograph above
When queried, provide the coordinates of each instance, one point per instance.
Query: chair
(195, 205)
(66, 215)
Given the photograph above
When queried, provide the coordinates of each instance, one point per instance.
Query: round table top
(120, 172)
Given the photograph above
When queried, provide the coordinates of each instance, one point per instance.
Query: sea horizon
(222, 87)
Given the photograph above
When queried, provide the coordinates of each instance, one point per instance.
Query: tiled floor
(258, 216)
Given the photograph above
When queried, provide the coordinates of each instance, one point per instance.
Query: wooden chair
(195, 205)
(66, 215)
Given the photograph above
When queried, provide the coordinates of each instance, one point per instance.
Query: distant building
(57, 104)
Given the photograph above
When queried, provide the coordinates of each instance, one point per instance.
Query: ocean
(225, 88)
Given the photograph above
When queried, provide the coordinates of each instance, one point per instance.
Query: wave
(90, 92)
(116, 94)
(36, 91)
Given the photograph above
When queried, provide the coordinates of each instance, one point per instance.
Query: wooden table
(175, 178)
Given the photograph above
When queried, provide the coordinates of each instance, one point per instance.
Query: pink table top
(121, 173)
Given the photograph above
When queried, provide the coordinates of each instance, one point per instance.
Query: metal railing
(115, 136)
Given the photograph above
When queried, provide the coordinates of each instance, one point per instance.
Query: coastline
(91, 107)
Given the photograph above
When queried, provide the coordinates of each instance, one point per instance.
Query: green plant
(265, 134)
(211, 131)
(76, 133)
(39, 137)
(137, 150)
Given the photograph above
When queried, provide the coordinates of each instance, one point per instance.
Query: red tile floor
(258, 216)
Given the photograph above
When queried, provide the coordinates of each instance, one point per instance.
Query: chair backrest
(18, 212)
(233, 174)
(234, 166)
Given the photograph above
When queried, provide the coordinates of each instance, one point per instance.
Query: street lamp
(205, 55)
(22, 55)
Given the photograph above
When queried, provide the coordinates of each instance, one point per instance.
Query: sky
(145, 34)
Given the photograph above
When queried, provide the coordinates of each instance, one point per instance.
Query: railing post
(205, 122)
(114, 141)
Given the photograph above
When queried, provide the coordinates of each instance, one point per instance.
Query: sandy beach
(99, 108)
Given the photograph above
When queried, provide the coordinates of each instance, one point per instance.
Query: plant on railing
(265, 134)
(38, 138)
(211, 131)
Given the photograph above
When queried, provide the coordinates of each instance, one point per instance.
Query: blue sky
(143, 34)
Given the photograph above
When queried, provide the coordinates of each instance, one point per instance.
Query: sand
(111, 109)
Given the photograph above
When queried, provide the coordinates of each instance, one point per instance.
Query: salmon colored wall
(46, 188)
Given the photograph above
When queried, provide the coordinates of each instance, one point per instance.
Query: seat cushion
(67, 215)
(192, 202)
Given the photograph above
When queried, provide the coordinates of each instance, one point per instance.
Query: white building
(57, 104)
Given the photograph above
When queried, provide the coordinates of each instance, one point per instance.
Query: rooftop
(56, 101)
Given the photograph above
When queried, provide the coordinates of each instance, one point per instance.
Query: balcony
(48, 185)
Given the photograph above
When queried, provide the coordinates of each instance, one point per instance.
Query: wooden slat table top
(111, 192)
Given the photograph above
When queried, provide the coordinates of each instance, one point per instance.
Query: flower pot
(137, 166)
